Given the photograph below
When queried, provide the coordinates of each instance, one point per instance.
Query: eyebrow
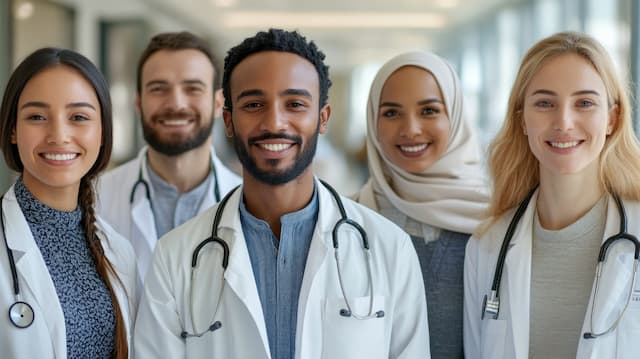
(551, 93)
(39, 104)
(421, 103)
(287, 92)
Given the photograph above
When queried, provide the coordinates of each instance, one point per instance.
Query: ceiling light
(24, 10)
(224, 3)
(332, 20)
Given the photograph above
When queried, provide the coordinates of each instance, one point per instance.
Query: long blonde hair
(513, 167)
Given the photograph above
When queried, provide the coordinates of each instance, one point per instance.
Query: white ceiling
(350, 32)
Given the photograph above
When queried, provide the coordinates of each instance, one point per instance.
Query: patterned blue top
(278, 267)
(89, 316)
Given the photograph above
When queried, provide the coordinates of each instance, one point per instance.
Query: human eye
(389, 113)
(252, 106)
(427, 111)
(585, 103)
(297, 105)
(543, 104)
(195, 89)
(80, 117)
(35, 117)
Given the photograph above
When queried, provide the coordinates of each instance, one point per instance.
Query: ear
(14, 138)
(612, 123)
(228, 125)
(524, 126)
(218, 103)
(325, 113)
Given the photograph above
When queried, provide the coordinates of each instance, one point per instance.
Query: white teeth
(275, 147)
(175, 122)
(564, 144)
(413, 148)
(60, 156)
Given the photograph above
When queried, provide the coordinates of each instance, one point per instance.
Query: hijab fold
(452, 193)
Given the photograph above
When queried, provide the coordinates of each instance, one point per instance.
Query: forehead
(274, 71)
(567, 73)
(177, 65)
(410, 80)
(58, 84)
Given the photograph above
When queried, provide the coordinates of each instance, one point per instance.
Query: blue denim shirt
(278, 267)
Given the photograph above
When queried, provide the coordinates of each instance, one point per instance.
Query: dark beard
(274, 178)
(175, 147)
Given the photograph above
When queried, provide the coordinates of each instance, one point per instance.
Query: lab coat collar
(518, 266)
(242, 280)
(33, 274)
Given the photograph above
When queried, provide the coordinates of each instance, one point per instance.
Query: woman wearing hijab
(426, 177)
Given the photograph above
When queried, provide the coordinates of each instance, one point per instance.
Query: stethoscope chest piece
(21, 314)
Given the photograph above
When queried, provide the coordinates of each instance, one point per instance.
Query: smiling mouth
(174, 122)
(60, 156)
(566, 144)
(275, 147)
(413, 149)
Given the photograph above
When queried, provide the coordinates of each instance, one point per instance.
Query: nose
(410, 127)
(177, 100)
(58, 131)
(274, 120)
(564, 118)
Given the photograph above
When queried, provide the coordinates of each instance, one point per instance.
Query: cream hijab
(452, 193)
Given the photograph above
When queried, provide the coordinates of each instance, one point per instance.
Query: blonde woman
(566, 170)
(426, 177)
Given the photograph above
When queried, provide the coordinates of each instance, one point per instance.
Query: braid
(103, 266)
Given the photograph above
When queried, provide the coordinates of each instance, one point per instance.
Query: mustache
(171, 114)
(272, 136)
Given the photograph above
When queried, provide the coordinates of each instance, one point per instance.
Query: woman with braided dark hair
(71, 274)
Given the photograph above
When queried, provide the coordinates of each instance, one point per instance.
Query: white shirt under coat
(165, 309)
(508, 336)
(135, 221)
(46, 337)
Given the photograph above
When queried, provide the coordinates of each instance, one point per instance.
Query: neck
(562, 200)
(269, 203)
(184, 171)
(59, 198)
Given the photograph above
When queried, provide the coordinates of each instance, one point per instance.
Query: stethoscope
(147, 191)
(491, 303)
(20, 313)
(214, 238)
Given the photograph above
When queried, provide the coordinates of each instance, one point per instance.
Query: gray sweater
(88, 311)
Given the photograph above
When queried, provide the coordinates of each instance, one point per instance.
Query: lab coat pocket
(493, 338)
(348, 337)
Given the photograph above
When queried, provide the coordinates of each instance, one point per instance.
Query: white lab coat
(321, 332)
(46, 337)
(136, 221)
(508, 337)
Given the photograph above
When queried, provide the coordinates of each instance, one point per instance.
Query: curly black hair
(276, 40)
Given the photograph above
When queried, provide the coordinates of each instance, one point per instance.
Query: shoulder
(125, 170)
(115, 242)
(487, 240)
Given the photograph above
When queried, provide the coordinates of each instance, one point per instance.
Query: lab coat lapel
(239, 273)
(143, 223)
(33, 274)
(613, 285)
(318, 253)
(518, 275)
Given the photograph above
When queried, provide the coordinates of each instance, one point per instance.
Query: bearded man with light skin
(177, 175)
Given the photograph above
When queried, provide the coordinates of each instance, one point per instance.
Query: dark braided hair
(38, 61)
(276, 40)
